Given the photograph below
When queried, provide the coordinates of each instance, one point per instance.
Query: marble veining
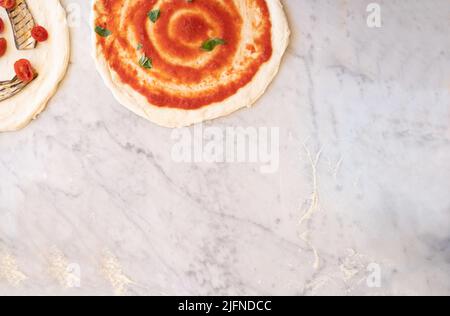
(91, 201)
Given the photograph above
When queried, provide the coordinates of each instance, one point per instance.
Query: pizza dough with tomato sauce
(49, 59)
(156, 55)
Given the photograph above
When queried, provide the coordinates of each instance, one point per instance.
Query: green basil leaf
(146, 62)
(102, 31)
(210, 44)
(154, 15)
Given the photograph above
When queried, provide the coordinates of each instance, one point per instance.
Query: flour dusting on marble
(59, 269)
(10, 271)
(113, 272)
(348, 274)
(314, 205)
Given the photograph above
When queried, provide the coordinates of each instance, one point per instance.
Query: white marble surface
(91, 187)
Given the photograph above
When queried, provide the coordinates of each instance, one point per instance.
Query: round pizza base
(174, 118)
(49, 58)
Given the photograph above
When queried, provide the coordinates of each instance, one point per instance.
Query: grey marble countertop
(92, 201)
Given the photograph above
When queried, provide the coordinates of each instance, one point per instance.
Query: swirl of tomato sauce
(183, 75)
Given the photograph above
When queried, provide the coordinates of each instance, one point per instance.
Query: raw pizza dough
(187, 108)
(50, 60)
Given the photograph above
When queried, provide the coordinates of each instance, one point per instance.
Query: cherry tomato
(39, 33)
(3, 45)
(24, 70)
(8, 4)
(2, 25)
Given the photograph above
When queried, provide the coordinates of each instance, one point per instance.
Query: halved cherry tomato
(8, 4)
(39, 33)
(24, 70)
(3, 45)
(2, 26)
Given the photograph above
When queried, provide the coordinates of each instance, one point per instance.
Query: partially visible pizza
(180, 62)
(34, 55)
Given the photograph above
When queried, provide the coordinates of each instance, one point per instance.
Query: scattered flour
(9, 270)
(112, 271)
